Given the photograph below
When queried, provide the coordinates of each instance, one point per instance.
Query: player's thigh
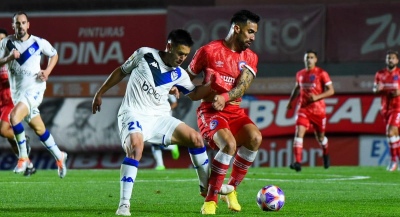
(186, 136)
(249, 136)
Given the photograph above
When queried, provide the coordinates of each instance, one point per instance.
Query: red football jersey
(5, 94)
(215, 57)
(312, 82)
(389, 80)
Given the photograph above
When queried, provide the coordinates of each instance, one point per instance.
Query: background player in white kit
(22, 53)
(144, 115)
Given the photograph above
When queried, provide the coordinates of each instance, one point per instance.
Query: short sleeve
(199, 61)
(132, 62)
(47, 48)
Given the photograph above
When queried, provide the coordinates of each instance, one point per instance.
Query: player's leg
(393, 138)
(249, 138)
(133, 146)
(201, 164)
(318, 123)
(36, 123)
(302, 124)
(16, 116)
(157, 154)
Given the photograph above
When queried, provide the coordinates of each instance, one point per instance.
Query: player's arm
(238, 91)
(293, 95)
(200, 92)
(44, 74)
(329, 91)
(115, 77)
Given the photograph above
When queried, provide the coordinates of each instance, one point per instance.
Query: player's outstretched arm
(115, 77)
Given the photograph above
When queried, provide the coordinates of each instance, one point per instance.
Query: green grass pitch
(337, 191)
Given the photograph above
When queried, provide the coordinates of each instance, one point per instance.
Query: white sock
(157, 154)
(201, 163)
(170, 147)
(128, 172)
(48, 142)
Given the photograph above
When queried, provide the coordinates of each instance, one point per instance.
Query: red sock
(393, 151)
(298, 153)
(239, 170)
(217, 176)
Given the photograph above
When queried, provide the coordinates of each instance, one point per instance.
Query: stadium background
(95, 36)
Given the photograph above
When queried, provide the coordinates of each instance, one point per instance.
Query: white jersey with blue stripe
(150, 82)
(24, 70)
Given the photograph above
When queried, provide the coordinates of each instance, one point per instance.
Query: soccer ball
(270, 198)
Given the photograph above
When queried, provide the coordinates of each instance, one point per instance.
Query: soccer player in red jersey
(313, 84)
(6, 105)
(387, 85)
(223, 124)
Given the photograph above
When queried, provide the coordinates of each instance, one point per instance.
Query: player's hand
(14, 54)
(218, 102)
(312, 98)
(96, 104)
(174, 91)
(42, 75)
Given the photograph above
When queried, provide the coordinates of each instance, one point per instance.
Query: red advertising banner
(96, 43)
(284, 31)
(346, 114)
(361, 32)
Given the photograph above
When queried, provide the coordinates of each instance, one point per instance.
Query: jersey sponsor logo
(150, 90)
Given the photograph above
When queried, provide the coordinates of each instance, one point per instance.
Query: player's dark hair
(393, 52)
(180, 37)
(20, 13)
(243, 16)
(312, 51)
(3, 31)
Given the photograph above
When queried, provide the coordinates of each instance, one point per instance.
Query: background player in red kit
(387, 85)
(220, 119)
(313, 84)
(6, 105)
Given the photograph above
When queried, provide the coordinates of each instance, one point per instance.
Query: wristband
(226, 96)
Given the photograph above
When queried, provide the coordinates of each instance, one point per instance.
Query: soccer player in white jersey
(22, 53)
(144, 115)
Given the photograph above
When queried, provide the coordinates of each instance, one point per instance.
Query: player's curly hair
(243, 16)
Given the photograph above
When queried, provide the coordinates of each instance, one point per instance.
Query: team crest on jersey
(312, 77)
(241, 65)
(174, 75)
(213, 124)
(31, 50)
(396, 77)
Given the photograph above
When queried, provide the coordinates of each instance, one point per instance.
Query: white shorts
(32, 99)
(155, 129)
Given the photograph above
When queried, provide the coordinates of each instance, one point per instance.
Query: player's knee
(196, 139)
(229, 147)
(255, 140)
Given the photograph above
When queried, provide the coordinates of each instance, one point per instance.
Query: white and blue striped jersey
(24, 70)
(150, 82)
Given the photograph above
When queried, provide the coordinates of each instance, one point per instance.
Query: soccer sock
(157, 154)
(241, 163)
(298, 149)
(170, 147)
(393, 140)
(324, 145)
(19, 133)
(219, 167)
(201, 164)
(128, 172)
(48, 142)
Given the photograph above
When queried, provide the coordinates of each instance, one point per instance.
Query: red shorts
(306, 119)
(5, 111)
(210, 120)
(391, 118)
